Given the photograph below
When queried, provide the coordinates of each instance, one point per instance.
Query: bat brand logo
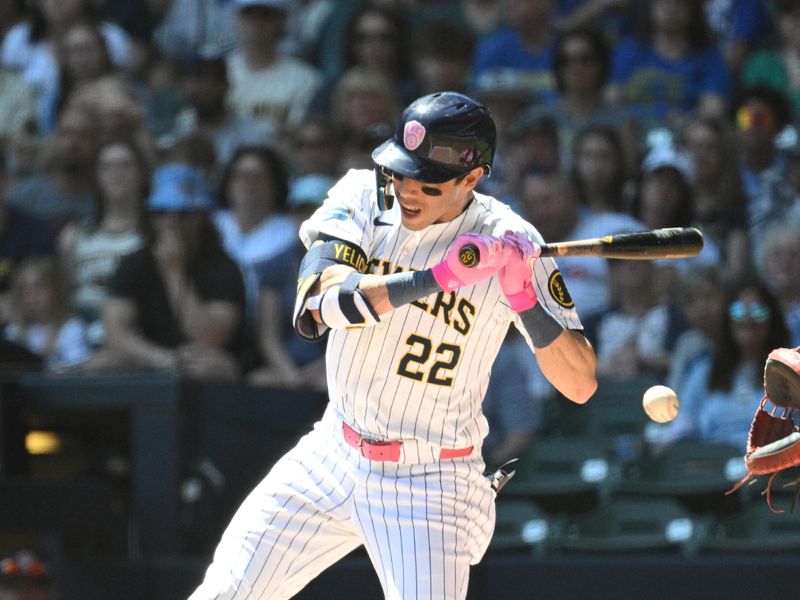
(558, 290)
(413, 134)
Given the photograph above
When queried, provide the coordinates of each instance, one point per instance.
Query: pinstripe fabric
(418, 376)
(422, 524)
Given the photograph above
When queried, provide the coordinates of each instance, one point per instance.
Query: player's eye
(431, 191)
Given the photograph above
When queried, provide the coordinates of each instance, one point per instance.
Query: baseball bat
(672, 242)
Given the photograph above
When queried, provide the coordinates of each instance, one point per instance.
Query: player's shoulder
(356, 188)
(497, 217)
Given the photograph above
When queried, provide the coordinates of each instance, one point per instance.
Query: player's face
(422, 204)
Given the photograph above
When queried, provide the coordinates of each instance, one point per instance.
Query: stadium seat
(697, 473)
(564, 474)
(754, 529)
(633, 525)
(521, 524)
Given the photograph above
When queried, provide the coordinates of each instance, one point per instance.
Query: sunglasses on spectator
(755, 311)
(749, 117)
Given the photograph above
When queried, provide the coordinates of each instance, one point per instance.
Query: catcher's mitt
(773, 444)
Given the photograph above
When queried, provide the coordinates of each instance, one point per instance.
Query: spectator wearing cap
(264, 83)
(177, 303)
(288, 361)
(204, 82)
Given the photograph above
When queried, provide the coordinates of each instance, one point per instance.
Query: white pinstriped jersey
(421, 373)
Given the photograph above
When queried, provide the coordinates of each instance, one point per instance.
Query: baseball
(660, 403)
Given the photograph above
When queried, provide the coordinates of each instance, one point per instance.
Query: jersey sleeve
(346, 213)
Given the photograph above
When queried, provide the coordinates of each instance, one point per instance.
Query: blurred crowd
(157, 157)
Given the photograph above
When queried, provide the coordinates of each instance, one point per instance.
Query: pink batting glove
(516, 278)
(471, 258)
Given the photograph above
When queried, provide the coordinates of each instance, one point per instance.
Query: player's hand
(516, 277)
(458, 270)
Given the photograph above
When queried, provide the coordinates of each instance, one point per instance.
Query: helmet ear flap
(383, 178)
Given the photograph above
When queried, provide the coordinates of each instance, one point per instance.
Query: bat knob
(469, 255)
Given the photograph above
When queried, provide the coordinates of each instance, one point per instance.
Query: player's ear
(472, 178)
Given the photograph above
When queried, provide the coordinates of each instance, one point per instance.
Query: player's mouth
(408, 211)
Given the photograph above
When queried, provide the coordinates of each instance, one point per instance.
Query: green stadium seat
(754, 529)
(523, 525)
(633, 525)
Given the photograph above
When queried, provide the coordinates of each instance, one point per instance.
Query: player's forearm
(569, 363)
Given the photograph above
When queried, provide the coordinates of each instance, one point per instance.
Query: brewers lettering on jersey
(395, 462)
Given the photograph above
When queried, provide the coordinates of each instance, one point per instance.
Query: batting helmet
(438, 137)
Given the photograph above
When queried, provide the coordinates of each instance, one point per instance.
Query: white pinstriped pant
(422, 524)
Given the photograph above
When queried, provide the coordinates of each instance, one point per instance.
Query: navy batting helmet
(438, 137)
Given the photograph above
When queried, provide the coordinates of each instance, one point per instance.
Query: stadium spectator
(90, 252)
(21, 237)
(514, 401)
(41, 318)
(205, 87)
(581, 67)
(531, 145)
(599, 169)
(634, 338)
(549, 200)
(265, 84)
(63, 190)
(741, 27)
(253, 225)
(17, 109)
(776, 65)
(378, 37)
(671, 67)
(288, 360)
(525, 47)
(313, 147)
(666, 199)
(442, 57)
(721, 392)
(117, 110)
(187, 28)
(719, 198)
(361, 98)
(702, 305)
(760, 116)
(780, 267)
(28, 47)
(176, 303)
(82, 56)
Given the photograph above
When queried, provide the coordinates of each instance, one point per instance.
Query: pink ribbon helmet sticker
(413, 134)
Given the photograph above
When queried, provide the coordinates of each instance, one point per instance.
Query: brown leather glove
(773, 443)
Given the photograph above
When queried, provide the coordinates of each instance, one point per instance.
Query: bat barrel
(673, 242)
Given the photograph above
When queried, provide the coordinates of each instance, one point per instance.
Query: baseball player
(395, 462)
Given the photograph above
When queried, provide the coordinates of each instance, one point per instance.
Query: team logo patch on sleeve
(338, 214)
(558, 290)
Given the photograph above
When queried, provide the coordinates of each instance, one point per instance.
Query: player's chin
(414, 221)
